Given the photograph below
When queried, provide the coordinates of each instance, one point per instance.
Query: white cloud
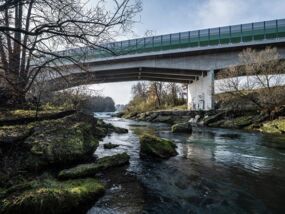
(220, 12)
(215, 13)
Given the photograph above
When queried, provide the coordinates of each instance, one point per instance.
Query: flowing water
(216, 171)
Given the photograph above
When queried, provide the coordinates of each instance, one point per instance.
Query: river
(216, 171)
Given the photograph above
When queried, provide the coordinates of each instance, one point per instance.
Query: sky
(172, 16)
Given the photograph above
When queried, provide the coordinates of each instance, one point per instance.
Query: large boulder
(51, 196)
(60, 142)
(152, 146)
(87, 170)
(182, 128)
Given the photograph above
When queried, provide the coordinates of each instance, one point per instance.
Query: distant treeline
(99, 104)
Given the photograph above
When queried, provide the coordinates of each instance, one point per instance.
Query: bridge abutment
(201, 92)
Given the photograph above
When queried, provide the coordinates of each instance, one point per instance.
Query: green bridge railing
(243, 33)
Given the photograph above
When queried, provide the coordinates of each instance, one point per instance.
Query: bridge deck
(234, 34)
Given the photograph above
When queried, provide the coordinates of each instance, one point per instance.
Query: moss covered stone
(152, 146)
(182, 128)
(274, 127)
(87, 170)
(119, 130)
(60, 142)
(105, 128)
(51, 196)
(13, 134)
(20, 117)
(238, 122)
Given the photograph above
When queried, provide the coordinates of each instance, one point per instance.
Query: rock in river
(152, 146)
(86, 170)
(182, 128)
(110, 146)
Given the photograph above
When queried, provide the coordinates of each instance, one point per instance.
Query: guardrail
(243, 33)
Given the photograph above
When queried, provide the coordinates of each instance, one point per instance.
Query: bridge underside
(200, 83)
(130, 74)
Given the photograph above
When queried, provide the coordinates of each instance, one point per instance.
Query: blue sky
(169, 16)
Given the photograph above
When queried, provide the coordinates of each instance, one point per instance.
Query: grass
(50, 196)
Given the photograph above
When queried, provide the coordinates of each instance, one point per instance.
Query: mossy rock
(182, 128)
(110, 146)
(208, 119)
(119, 130)
(59, 143)
(89, 170)
(14, 134)
(274, 127)
(152, 146)
(238, 122)
(51, 196)
(243, 121)
(100, 132)
(20, 117)
(105, 128)
(163, 119)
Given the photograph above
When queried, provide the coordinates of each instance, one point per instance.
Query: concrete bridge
(192, 57)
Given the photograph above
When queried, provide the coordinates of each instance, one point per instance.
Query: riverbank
(247, 120)
(35, 148)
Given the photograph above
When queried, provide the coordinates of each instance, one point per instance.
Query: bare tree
(32, 32)
(140, 90)
(260, 81)
(175, 91)
(156, 91)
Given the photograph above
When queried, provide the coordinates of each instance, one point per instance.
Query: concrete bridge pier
(201, 92)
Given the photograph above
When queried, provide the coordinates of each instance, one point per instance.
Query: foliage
(79, 98)
(155, 95)
(99, 104)
(259, 81)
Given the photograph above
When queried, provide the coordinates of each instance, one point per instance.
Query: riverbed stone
(51, 196)
(105, 128)
(110, 146)
(152, 146)
(87, 170)
(182, 128)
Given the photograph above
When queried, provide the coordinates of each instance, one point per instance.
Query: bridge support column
(201, 92)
